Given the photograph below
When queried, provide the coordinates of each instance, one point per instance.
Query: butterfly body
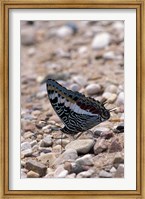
(77, 112)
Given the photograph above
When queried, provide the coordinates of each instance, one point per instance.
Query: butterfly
(77, 112)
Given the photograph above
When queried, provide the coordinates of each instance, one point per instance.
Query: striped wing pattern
(77, 112)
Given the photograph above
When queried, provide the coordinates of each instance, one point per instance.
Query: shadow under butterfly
(77, 112)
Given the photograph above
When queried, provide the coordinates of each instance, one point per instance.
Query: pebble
(115, 146)
(93, 89)
(85, 160)
(28, 36)
(119, 128)
(28, 134)
(72, 175)
(81, 146)
(118, 159)
(111, 97)
(48, 158)
(105, 174)
(36, 167)
(120, 171)
(23, 174)
(41, 95)
(80, 80)
(68, 155)
(31, 51)
(82, 50)
(85, 174)
(60, 172)
(33, 143)
(118, 26)
(107, 134)
(100, 146)
(46, 142)
(32, 174)
(77, 168)
(64, 31)
(101, 40)
(111, 89)
(120, 99)
(75, 87)
(113, 170)
(25, 146)
(109, 55)
(26, 153)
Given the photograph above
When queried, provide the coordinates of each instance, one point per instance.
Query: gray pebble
(81, 146)
(68, 155)
(28, 36)
(25, 146)
(85, 160)
(120, 171)
(105, 174)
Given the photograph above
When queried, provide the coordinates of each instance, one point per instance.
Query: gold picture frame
(5, 5)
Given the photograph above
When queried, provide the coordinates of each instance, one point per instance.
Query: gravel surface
(84, 56)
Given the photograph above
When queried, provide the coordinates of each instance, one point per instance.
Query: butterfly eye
(105, 114)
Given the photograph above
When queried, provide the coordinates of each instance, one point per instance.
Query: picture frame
(5, 7)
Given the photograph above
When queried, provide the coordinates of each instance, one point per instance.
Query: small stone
(120, 171)
(68, 166)
(120, 99)
(28, 36)
(118, 159)
(82, 50)
(101, 40)
(32, 174)
(113, 170)
(64, 31)
(100, 146)
(25, 146)
(105, 174)
(115, 146)
(111, 89)
(41, 94)
(93, 89)
(31, 51)
(81, 146)
(119, 128)
(68, 155)
(112, 98)
(36, 167)
(106, 95)
(75, 87)
(46, 142)
(60, 172)
(23, 174)
(109, 55)
(106, 134)
(33, 143)
(77, 168)
(72, 175)
(85, 160)
(80, 80)
(28, 134)
(86, 174)
(26, 153)
(48, 158)
(118, 25)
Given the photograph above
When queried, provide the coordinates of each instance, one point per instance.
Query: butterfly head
(104, 113)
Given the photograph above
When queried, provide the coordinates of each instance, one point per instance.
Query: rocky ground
(84, 56)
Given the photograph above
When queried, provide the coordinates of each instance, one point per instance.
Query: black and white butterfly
(77, 112)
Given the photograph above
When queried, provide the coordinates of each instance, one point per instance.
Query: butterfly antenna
(113, 109)
(104, 101)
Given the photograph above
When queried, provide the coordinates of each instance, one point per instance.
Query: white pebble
(64, 31)
(93, 89)
(101, 40)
